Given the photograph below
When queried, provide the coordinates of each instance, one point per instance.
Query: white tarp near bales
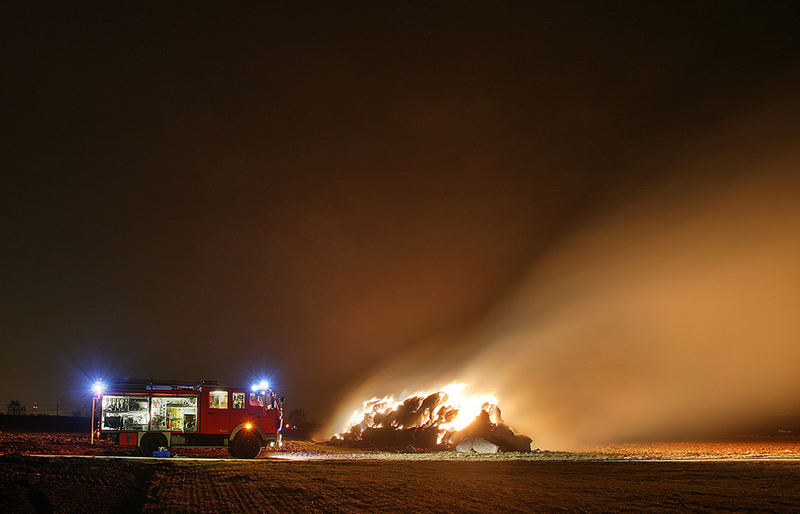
(477, 445)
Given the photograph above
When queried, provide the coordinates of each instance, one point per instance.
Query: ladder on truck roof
(160, 385)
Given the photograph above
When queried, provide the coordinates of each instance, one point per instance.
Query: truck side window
(238, 400)
(218, 399)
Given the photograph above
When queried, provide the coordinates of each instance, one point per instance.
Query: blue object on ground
(161, 454)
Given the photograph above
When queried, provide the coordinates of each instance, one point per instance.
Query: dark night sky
(305, 192)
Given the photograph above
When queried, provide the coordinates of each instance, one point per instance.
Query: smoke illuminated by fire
(672, 314)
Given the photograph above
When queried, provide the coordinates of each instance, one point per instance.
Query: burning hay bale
(444, 420)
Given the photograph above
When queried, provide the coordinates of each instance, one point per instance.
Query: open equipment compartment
(125, 412)
(173, 413)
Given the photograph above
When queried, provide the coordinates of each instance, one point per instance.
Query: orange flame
(454, 410)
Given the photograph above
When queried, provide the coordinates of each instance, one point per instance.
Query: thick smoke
(673, 314)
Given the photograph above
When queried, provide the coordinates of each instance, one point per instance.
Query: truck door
(238, 413)
(218, 413)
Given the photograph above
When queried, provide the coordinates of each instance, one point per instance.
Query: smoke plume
(673, 313)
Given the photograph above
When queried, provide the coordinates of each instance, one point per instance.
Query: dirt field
(89, 484)
(309, 476)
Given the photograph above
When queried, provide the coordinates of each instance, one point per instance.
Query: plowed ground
(81, 484)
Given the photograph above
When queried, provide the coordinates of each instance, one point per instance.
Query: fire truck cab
(154, 414)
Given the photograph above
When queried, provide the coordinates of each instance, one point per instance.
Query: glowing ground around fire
(783, 447)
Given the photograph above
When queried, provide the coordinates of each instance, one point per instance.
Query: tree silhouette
(15, 408)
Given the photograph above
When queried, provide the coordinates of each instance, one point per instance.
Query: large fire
(441, 418)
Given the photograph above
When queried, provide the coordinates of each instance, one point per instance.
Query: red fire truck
(153, 414)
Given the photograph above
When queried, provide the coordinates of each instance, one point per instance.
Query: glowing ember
(429, 419)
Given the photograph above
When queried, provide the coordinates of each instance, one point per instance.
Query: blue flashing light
(261, 386)
(98, 387)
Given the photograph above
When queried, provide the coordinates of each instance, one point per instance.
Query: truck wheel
(246, 445)
(151, 443)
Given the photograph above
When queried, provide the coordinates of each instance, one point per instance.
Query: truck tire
(246, 445)
(151, 443)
